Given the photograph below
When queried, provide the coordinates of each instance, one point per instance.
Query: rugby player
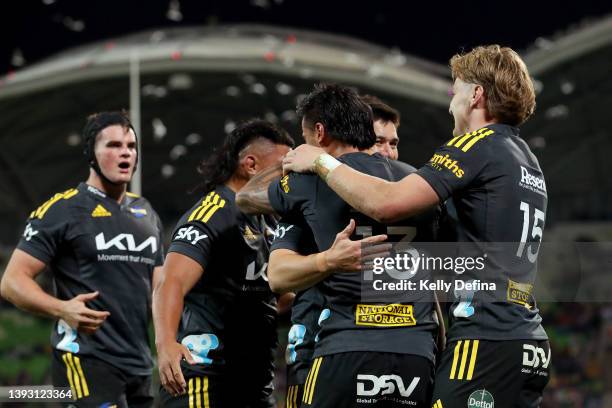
(103, 246)
(386, 123)
(499, 193)
(348, 345)
(214, 313)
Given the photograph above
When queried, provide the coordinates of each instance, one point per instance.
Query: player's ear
(249, 165)
(320, 134)
(478, 99)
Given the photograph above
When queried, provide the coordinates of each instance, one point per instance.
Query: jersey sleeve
(456, 164)
(45, 231)
(198, 231)
(288, 194)
(294, 234)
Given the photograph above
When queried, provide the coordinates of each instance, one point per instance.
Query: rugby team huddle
(279, 224)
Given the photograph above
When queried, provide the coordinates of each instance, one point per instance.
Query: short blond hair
(508, 88)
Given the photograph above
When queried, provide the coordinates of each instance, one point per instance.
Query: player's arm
(288, 270)
(379, 199)
(19, 287)
(253, 197)
(177, 277)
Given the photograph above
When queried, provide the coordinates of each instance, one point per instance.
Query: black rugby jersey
(498, 191)
(292, 233)
(229, 316)
(92, 243)
(352, 324)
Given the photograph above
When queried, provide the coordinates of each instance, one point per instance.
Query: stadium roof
(197, 83)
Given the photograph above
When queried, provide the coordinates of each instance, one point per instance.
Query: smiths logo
(531, 182)
(393, 315)
(519, 293)
(125, 242)
(100, 211)
(285, 183)
(439, 162)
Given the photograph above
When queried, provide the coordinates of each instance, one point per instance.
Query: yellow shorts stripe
(438, 404)
(455, 359)
(75, 376)
(470, 372)
(69, 374)
(309, 393)
(190, 392)
(77, 362)
(205, 392)
(198, 387)
(289, 399)
(464, 355)
(307, 384)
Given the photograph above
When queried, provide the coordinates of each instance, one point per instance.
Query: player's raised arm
(178, 276)
(382, 200)
(253, 197)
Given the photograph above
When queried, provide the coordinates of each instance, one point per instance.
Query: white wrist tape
(325, 164)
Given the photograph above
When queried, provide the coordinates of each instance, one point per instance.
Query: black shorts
(214, 391)
(483, 373)
(95, 383)
(369, 379)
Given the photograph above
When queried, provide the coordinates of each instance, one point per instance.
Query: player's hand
(169, 356)
(349, 256)
(301, 159)
(78, 316)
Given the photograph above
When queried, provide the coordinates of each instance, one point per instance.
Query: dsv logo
(190, 234)
(125, 242)
(535, 356)
(383, 385)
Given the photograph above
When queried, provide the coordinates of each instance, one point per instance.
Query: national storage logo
(519, 293)
(393, 315)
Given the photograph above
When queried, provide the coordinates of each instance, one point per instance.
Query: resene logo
(125, 242)
(371, 385)
(531, 182)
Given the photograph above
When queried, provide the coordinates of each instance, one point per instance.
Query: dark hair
(382, 111)
(96, 123)
(340, 109)
(221, 164)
